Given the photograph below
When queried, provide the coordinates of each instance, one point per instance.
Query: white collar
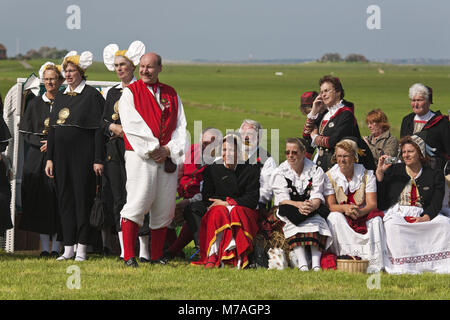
(78, 89)
(45, 98)
(426, 117)
(332, 110)
(341, 180)
(121, 86)
(299, 181)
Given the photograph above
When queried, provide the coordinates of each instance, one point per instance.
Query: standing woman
(74, 152)
(5, 186)
(39, 202)
(123, 62)
(330, 120)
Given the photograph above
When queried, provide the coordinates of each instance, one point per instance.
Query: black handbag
(98, 214)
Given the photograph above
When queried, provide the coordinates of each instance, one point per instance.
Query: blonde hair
(348, 145)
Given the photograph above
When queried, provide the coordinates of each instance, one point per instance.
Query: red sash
(162, 123)
(434, 121)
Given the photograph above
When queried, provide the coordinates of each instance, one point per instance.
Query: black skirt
(5, 200)
(39, 204)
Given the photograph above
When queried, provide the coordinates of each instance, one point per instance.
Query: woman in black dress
(123, 62)
(5, 187)
(75, 152)
(39, 205)
(330, 120)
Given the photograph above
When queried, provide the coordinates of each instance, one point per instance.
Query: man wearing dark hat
(422, 119)
(306, 102)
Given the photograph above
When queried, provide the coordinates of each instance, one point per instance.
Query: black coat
(5, 186)
(342, 125)
(241, 184)
(430, 185)
(437, 136)
(39, 204)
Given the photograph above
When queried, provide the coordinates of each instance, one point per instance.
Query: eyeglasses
(326, 91)
(50, 79)
(293, 152)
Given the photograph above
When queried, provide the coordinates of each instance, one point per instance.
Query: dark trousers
(117, 178)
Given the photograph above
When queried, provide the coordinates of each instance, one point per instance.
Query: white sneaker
(79, 258)
(62, 258)
(303, 268)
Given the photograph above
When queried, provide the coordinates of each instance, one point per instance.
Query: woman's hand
(305, 207)
(116, 129)
(49, 169)
(98, 169)
(423, 218)
(318, 105)
(44, 146)
(382, 167)
(352, 211)
(217, 202)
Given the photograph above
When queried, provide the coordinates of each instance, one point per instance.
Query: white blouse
(352, 185)
(300, 182)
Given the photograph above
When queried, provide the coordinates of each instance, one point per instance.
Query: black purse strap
(98, 188)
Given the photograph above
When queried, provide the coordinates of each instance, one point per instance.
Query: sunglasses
(288, 152)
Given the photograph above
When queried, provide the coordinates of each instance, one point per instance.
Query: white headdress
(133, 54)
(45, 66)
(84, 60)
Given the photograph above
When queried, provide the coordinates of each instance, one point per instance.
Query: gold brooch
(46, 126)
(72, 93)
(63, 115)
(115, 116)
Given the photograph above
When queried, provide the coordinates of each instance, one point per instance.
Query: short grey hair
(255, 124)
(419, 89)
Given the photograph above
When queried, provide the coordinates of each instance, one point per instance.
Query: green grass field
(222, 96)
(25, 276)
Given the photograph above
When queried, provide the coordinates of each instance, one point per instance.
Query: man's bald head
(149, 67)
(152, 56)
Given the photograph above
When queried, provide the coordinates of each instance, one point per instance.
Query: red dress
(240, 189)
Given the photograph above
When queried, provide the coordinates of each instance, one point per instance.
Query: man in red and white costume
(154, 127)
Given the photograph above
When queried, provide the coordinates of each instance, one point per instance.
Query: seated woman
(298, 186)
(380, 140)
(231, 193)
(351, 194)
(411, 193)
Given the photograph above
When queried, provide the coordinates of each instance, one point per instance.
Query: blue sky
(233, 29)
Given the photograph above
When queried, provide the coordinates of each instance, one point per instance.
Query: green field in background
(224, 95)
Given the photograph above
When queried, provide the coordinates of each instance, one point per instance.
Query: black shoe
(54, 254)
(106, 252)
(45, 254)
(161, 261)
(167, 255)
(131, 263)
(144, 260)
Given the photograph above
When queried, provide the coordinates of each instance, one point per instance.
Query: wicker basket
(352, 266)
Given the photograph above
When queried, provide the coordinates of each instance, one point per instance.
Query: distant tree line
(336, 57)
(44, 53)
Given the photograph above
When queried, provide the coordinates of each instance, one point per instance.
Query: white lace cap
(134, 53)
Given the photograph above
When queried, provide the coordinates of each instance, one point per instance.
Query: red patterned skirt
(240, 224)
